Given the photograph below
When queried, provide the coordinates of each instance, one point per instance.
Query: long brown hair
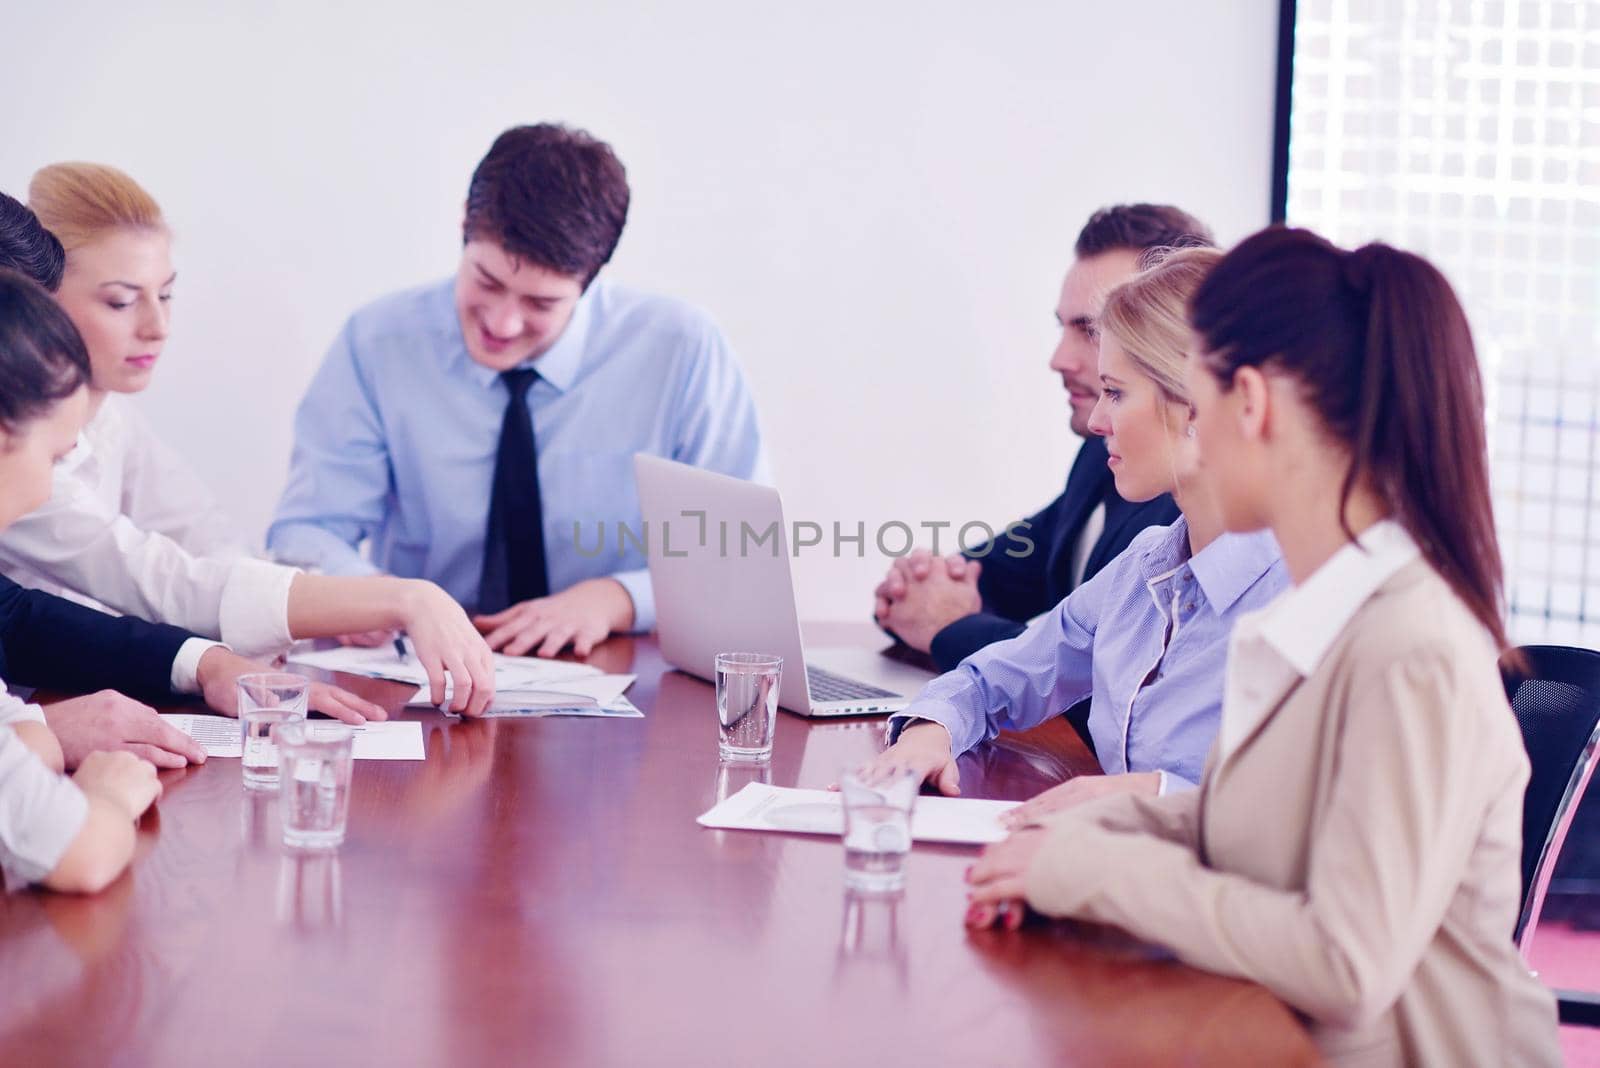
(1382, 351)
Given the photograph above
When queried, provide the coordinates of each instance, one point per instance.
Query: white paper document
(510, 672)
(759, 807)
(566, 697)
(389, 741)
(618, 708)
(219, 737)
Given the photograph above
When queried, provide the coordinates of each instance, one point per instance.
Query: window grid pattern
(1469, 131)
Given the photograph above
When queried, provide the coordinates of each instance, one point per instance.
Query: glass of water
(747, 705)
(258, 729)
(314, 791)
(877, 827)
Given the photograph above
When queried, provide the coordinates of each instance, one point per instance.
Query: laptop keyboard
(826, 686)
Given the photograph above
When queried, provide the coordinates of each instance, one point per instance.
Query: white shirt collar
(107, 424)
(1271, 649)
(1304, 623)
(558, 365)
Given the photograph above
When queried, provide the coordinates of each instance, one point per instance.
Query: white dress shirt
(1093, 527)
(130, 527)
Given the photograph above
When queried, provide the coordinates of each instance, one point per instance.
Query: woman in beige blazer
(1354, 843)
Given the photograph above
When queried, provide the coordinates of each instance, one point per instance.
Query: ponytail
(1383, 352)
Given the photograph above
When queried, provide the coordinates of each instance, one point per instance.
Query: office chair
(1555, 695)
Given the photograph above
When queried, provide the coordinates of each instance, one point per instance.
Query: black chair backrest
(1556, 698)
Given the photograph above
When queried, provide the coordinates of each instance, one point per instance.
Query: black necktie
(513, 546)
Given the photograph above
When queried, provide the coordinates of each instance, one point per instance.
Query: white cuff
(14, 709)
(1172, 783)
(1161, 785)
(254, 613)
(637, 583)
(186, 665)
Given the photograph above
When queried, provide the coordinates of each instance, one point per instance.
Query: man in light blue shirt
(479, 432)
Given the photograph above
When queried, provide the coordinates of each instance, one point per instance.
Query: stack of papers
(219, 737)
(524, 685)
(759, 807)
(600, 695)
(510, 672)
(509, 705)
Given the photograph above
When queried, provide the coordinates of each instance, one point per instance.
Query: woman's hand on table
(924, 747)
(996, 896)
(1077, 790)
(450, 649)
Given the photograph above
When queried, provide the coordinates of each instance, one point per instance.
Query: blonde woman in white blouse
(130, 526)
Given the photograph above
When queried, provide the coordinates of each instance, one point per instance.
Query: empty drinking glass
(747, 705)
(273, 689)
(314, 774)
(877, 827)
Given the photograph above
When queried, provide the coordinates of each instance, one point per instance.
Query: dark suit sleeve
(1010, 586)
(967, 635)
(1018, 587)
(52, 642)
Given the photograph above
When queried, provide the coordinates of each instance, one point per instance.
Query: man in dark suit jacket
(51, 642)
(952, 608)
(48, 641)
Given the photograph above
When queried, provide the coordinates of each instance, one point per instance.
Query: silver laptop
(719, 562)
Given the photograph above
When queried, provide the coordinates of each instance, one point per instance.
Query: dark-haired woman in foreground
(77, 833)
(1354, 845)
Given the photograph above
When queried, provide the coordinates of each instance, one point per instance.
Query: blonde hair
(1148, 315)
(80, 202)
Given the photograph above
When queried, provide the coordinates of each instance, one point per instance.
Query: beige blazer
(1356, 850)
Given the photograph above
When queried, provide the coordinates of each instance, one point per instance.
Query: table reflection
(258, 820)
(869, 936)
(733, 777)
(310, 892)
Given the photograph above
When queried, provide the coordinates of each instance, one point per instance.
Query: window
(1469, 131)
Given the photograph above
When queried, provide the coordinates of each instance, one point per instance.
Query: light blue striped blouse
(1145, 639)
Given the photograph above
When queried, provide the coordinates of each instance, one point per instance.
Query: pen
(399, 647)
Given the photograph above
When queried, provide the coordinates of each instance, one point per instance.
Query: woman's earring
(1191, 430)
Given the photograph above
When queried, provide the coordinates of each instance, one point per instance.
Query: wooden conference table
(538, 892)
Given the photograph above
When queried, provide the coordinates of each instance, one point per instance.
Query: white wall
(876, 199)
